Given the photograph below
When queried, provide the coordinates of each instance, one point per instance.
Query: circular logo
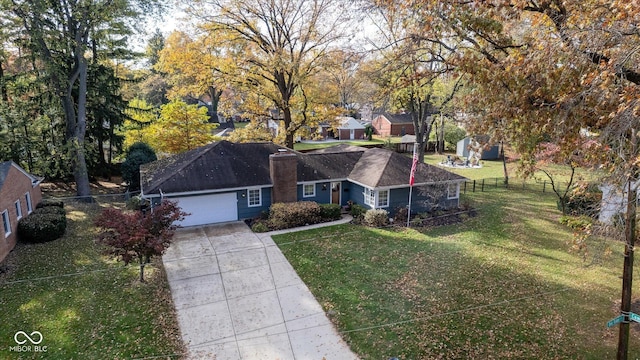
(28, 337)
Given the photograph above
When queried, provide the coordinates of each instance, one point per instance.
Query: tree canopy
(284, 42)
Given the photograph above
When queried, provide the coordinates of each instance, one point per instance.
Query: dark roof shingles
(4, 171)
(219, 165)
(384, 168)
(225, 165)
(398, 118)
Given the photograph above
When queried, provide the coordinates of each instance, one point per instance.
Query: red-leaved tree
(138, 235)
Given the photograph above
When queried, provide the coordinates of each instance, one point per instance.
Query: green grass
(322, 145)
(504, 284)
(85, 305)
(494, 169)
(241, 124)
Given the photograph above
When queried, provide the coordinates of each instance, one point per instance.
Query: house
(348, 129)
(226, 181)
(19, 193)
(466, 146)
(393, 124)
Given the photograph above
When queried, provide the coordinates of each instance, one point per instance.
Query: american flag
(414, 164)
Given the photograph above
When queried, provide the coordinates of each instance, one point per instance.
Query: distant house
(481, 142)
(19, 194)
(393, 124)
(348, 129)
(227, 181)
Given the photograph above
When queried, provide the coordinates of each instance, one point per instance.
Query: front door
(352, 134)
(335, 193)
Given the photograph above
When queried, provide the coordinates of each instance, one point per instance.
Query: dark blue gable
(424, 198)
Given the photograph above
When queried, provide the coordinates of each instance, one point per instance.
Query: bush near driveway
(330, 212)
(290, 215)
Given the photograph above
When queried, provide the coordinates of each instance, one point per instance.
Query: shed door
(208, 209)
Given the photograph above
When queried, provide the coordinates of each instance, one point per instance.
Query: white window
(254, 196)
(18, 210)
(27, 198)
(376, 199)
(6, 223)
(369, 197)
(453, 191)
(308, 190)
(383, 198)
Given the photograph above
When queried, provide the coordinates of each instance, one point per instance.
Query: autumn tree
(181, 127)
(136, 235)
(195, 68)
(339, 77)
(140, 115)
(285, 42)
(409, 69)
(545, 70)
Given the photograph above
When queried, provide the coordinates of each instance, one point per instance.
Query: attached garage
(208, 209)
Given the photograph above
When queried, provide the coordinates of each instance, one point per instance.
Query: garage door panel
(208, 209)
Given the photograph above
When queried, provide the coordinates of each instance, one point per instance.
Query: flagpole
(409, 211)
(414, 164)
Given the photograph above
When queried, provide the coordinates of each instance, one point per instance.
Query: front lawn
(315, 145)
(503, 284)
(85, 305)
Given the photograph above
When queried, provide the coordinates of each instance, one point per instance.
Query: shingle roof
(219, 165)
(326, 166)
(224, 165)
(383, 168)
(398, 118)
(4, 171)
(5, 166)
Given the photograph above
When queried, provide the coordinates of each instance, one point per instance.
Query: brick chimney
(283, 168)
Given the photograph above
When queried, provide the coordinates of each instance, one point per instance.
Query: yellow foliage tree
(181, 127)
(196, 67)
(140, 115)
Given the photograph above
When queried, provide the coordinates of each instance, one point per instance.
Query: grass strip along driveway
(84, 305)
(501, 285)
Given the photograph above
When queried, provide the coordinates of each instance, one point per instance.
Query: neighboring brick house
(393, 124)
(19, 194)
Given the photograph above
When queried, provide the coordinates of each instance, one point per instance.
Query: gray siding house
(226, 181)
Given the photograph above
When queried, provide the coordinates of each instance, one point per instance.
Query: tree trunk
(287, 123)
(80, 171)
(142, 264)
(627, 273)
(215, 95)
(504, 164)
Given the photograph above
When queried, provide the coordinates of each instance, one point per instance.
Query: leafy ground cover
(503, 284)
(85, 305)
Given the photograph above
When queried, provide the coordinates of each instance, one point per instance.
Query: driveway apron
(237, 297)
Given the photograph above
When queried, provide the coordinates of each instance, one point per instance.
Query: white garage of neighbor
(208, 209)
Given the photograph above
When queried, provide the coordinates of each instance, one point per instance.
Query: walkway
(237, 297)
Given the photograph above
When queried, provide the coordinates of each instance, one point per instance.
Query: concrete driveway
(237, 297)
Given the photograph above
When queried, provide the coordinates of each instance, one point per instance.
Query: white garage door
(208, 209)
